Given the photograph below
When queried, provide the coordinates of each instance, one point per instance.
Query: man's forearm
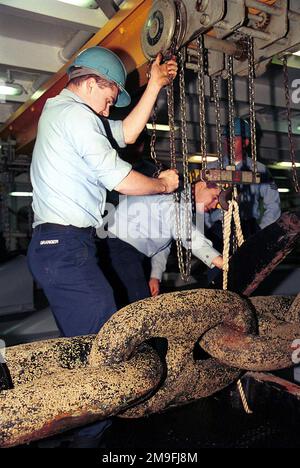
(135, 122)
(160, 76)
(138, 184)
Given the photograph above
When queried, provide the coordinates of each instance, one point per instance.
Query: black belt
(46, 227)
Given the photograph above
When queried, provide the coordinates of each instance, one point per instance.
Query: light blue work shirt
(250, 198)
(74, 163)
(148, 223)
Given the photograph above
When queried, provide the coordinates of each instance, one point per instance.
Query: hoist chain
(201, 96)
(216, 98)
(290, 128)
(153, 154)
(231, 117)
(170, 103)
(183, 214)
(251, 73)
(231, 109)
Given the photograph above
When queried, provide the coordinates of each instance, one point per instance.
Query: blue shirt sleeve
(202, 247)
(159, 262)
(271, 202)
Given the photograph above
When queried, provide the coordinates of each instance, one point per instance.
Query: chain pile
(68, 382)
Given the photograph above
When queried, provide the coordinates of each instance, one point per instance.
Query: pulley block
(225, 176)
(164, 30)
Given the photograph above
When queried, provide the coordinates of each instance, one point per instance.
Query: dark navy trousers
(62, 259)
(127, 270)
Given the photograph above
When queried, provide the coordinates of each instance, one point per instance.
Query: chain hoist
(170, 107)
(251, 77)
(153, 154)
(183, 214)
(290, 128)
(201, 96)
(216, 99)
(231, 109)
(183, 208)
(231, 117)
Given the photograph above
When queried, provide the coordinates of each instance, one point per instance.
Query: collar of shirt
(67, 93)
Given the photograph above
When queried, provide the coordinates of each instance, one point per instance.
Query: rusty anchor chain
(64, 383)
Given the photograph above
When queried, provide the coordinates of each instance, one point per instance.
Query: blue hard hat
(241, 128)
(108, 65)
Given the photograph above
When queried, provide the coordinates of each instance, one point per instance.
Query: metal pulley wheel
(224, 198)
(164, 28)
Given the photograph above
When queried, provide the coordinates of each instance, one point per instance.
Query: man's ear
(247, 141)
(90, 83)
(201, 185)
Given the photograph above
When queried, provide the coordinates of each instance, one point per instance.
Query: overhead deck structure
(122, 34)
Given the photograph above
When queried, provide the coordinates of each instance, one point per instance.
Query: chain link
(231, 118)
(170, 104)
(183, 214)
(216, 98)
(290, 128)
(251, 74)
(153, 154)
(231, 109)
(201, 95)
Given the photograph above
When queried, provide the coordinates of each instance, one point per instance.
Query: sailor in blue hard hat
(74, 163)
(242, 136)
(105, 64)
(259, 203)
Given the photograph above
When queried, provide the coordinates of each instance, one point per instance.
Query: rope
(244, 398)
(233, 212)
(226, 244)
(237, 219)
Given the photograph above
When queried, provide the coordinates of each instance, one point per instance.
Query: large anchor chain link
(63, 383)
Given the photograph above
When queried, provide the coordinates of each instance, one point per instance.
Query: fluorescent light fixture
(81, 3)
(160, 127)
(297, 53)
(198, 158)
(20, 194)
(10, 89)
(286, 164)
(283, 165)
(283, 190)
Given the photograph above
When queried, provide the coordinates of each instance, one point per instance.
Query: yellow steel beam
(121, 34)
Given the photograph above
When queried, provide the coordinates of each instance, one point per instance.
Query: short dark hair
(101, 82)
(212, 185)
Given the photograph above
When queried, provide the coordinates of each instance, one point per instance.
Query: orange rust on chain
(122, 35)
(59, 424)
